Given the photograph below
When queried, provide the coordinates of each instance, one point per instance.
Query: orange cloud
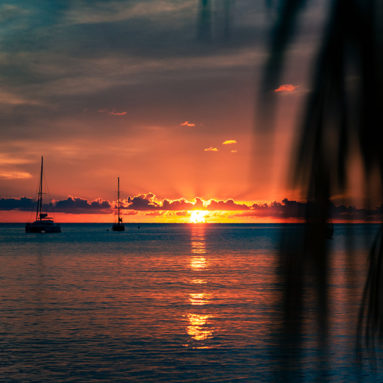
(229, 142)
(117, 113)
(112, 112)
(188, 124)
(234, 151)
(286, 88)
(210, 149)
(14, 175)
(6, 159)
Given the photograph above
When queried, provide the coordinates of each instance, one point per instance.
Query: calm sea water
(163, 303)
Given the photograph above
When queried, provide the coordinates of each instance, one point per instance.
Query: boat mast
(40, 194)
(118, 199)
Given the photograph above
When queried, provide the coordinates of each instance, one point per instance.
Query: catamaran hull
(118, 227)
(41, 228)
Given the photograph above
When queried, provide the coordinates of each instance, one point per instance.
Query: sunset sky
(140, 90)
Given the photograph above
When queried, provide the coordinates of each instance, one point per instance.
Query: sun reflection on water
(198, 299)
(198, 248)
(198, 263)
(199, 327)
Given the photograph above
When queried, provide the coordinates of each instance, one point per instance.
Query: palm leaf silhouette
(344, 104)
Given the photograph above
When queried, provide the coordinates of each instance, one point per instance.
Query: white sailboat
(42, 223)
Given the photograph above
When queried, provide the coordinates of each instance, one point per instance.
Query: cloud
(112, 112)
(6, 159)
(16, 100)
(130, 212)
(15, 175)
(188, 124)
(198, 204)
(229, 142)
(211, 149)
(143, 202)
(226, 205)
(284, 209)
(177, 205)
(234, 151)
(117, 113)
(25, 204)
(149, 204)
(70, 205)
(298, 210)
(78, 205)
(286, 88)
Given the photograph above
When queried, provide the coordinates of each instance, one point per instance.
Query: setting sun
(198, 216)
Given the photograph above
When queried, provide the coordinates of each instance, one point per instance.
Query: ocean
(168, 303)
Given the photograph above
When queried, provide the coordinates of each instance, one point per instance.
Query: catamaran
(119, 226)
(42, 223)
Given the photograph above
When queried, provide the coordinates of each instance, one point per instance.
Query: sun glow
(198, 216)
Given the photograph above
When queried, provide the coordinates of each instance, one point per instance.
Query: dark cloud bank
(69, 205)
(148, 203)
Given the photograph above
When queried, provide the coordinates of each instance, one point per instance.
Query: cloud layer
(149, 203)
(70, 205)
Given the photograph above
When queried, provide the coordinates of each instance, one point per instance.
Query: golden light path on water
(199, 327)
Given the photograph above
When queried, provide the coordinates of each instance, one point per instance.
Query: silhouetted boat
(42, 223)
(119, 226)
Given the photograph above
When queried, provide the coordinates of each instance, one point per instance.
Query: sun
(198, 216)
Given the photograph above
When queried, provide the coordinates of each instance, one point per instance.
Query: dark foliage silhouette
(342, 117)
